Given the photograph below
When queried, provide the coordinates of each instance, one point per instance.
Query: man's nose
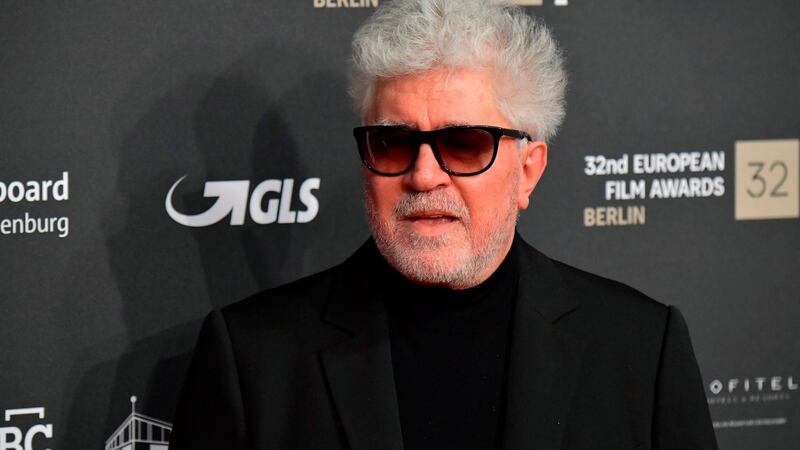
(426, 174)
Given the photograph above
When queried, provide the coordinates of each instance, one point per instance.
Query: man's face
(432, 227)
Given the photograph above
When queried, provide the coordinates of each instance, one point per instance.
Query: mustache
(435, 201)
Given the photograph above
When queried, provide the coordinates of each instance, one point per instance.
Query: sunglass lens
(465, 150)
(389, 151)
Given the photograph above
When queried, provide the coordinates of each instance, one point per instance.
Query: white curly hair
(412, 36)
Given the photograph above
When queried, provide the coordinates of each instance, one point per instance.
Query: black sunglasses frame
(429, 137)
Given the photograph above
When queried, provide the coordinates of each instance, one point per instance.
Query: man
(446, 330)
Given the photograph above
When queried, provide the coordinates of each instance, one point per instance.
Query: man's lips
(430, 223)
(432, 216)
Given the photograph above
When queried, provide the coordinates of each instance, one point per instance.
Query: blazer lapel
(359, 369)
(544, 361)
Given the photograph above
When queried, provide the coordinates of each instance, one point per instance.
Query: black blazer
(593, 364)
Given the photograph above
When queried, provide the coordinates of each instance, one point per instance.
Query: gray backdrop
(128, 97)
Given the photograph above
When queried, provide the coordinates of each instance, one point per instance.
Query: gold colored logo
(767, 181)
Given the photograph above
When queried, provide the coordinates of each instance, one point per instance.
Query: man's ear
(533, 160)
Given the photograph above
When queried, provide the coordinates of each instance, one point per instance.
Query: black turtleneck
(449, 355)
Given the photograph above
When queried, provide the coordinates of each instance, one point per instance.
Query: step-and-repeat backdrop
(160, 159)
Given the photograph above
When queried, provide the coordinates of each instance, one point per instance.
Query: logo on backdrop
(232, 200)
(767, 180)
(651, 176)
(749, 392)
(34, 192)
(29, 437)
(137, 429)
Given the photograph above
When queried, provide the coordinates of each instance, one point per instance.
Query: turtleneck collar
(471, 310)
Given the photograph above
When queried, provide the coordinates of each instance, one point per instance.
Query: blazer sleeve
(681, 419)
(210, 412)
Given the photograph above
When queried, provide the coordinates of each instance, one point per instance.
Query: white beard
(456, 260)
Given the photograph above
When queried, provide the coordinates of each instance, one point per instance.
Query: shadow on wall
(197, 113)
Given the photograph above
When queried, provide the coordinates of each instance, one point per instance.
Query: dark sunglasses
(460, 150)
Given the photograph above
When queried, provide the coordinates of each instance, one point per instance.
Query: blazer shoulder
(619, 322)
(597, 292)
(289, 305)
(307, 308)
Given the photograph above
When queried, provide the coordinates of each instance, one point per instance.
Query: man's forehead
(438, 83)
(413, 126)
(436, 99)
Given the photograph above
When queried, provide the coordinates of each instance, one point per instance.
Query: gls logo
(232, 199)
